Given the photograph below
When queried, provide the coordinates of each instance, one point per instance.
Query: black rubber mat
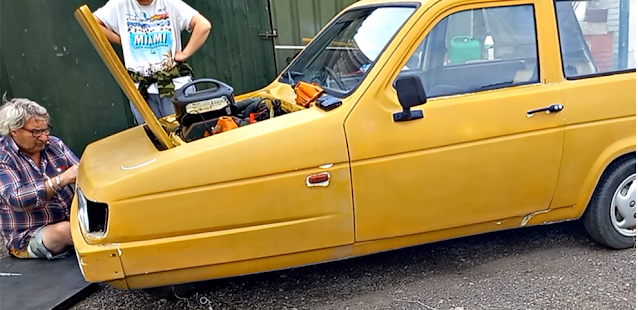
(43, 284)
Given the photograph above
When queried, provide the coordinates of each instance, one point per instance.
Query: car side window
(477, 50)
(596, 36)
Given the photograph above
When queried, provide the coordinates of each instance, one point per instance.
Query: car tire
(611, 212)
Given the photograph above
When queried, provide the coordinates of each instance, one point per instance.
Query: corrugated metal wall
(298, 19)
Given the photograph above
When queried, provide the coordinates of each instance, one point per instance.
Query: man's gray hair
(17, 111)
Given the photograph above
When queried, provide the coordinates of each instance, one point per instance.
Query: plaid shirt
(23, 204)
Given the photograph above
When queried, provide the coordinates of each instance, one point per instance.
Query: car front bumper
(98, 263)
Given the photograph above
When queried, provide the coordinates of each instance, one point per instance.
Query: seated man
(37, 173)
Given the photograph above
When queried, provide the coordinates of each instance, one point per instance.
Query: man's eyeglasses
(38, 132)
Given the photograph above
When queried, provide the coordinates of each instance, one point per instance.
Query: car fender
(622, 147)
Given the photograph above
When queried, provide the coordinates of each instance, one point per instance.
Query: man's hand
(181, 57)
(69, 176)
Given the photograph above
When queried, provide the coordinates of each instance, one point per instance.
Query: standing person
(37, 173)
(149, 32)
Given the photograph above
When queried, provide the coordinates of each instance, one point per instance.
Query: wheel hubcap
(623, 207)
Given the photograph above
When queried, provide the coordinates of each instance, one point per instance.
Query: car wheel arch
(607, 159)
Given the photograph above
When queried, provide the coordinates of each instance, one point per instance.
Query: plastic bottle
(488, 43)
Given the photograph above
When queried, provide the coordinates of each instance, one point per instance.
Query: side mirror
(411, 93)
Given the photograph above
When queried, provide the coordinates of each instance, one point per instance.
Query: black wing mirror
(411, 93)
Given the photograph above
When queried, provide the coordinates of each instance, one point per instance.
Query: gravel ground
(550, 267)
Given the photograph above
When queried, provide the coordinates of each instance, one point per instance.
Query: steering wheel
(336, 78)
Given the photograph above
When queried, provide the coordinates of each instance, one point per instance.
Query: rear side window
(597, 37)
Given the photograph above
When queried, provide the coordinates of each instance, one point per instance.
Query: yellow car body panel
(595, 134)
(240, 202)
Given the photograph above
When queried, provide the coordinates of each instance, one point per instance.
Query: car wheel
(610, 218)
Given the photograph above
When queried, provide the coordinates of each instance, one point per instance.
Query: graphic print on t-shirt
(151, 41)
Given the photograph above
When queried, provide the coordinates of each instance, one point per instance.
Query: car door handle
(554, 108)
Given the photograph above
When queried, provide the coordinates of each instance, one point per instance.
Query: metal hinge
(269, 34)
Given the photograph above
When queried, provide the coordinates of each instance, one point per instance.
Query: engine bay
(211, 111)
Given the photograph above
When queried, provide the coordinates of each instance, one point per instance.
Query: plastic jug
(464, 49)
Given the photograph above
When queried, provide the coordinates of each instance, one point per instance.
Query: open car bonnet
(107, 53)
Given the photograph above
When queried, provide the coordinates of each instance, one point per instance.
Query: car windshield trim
(291, 76)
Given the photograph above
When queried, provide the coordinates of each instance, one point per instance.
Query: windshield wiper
(292, 74)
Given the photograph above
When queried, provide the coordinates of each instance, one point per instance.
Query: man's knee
(57, 237)
(60, 232)
(64, 231)
(51, 241)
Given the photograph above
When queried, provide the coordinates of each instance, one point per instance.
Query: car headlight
(92, 215)
(83, 213)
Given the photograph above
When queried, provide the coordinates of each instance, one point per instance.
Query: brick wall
(603, 36)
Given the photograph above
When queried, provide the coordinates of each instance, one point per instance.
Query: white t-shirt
(150, 34)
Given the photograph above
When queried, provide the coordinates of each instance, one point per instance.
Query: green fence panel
(234, 52)
(48, 59)
(5, 87)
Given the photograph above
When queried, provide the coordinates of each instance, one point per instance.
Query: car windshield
(338, 59)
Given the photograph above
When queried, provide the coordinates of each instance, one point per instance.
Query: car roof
(368, 2)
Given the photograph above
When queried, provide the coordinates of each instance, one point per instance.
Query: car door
(598, 80)
(478, 154)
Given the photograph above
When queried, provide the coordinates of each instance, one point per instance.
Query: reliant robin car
(400, 123)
